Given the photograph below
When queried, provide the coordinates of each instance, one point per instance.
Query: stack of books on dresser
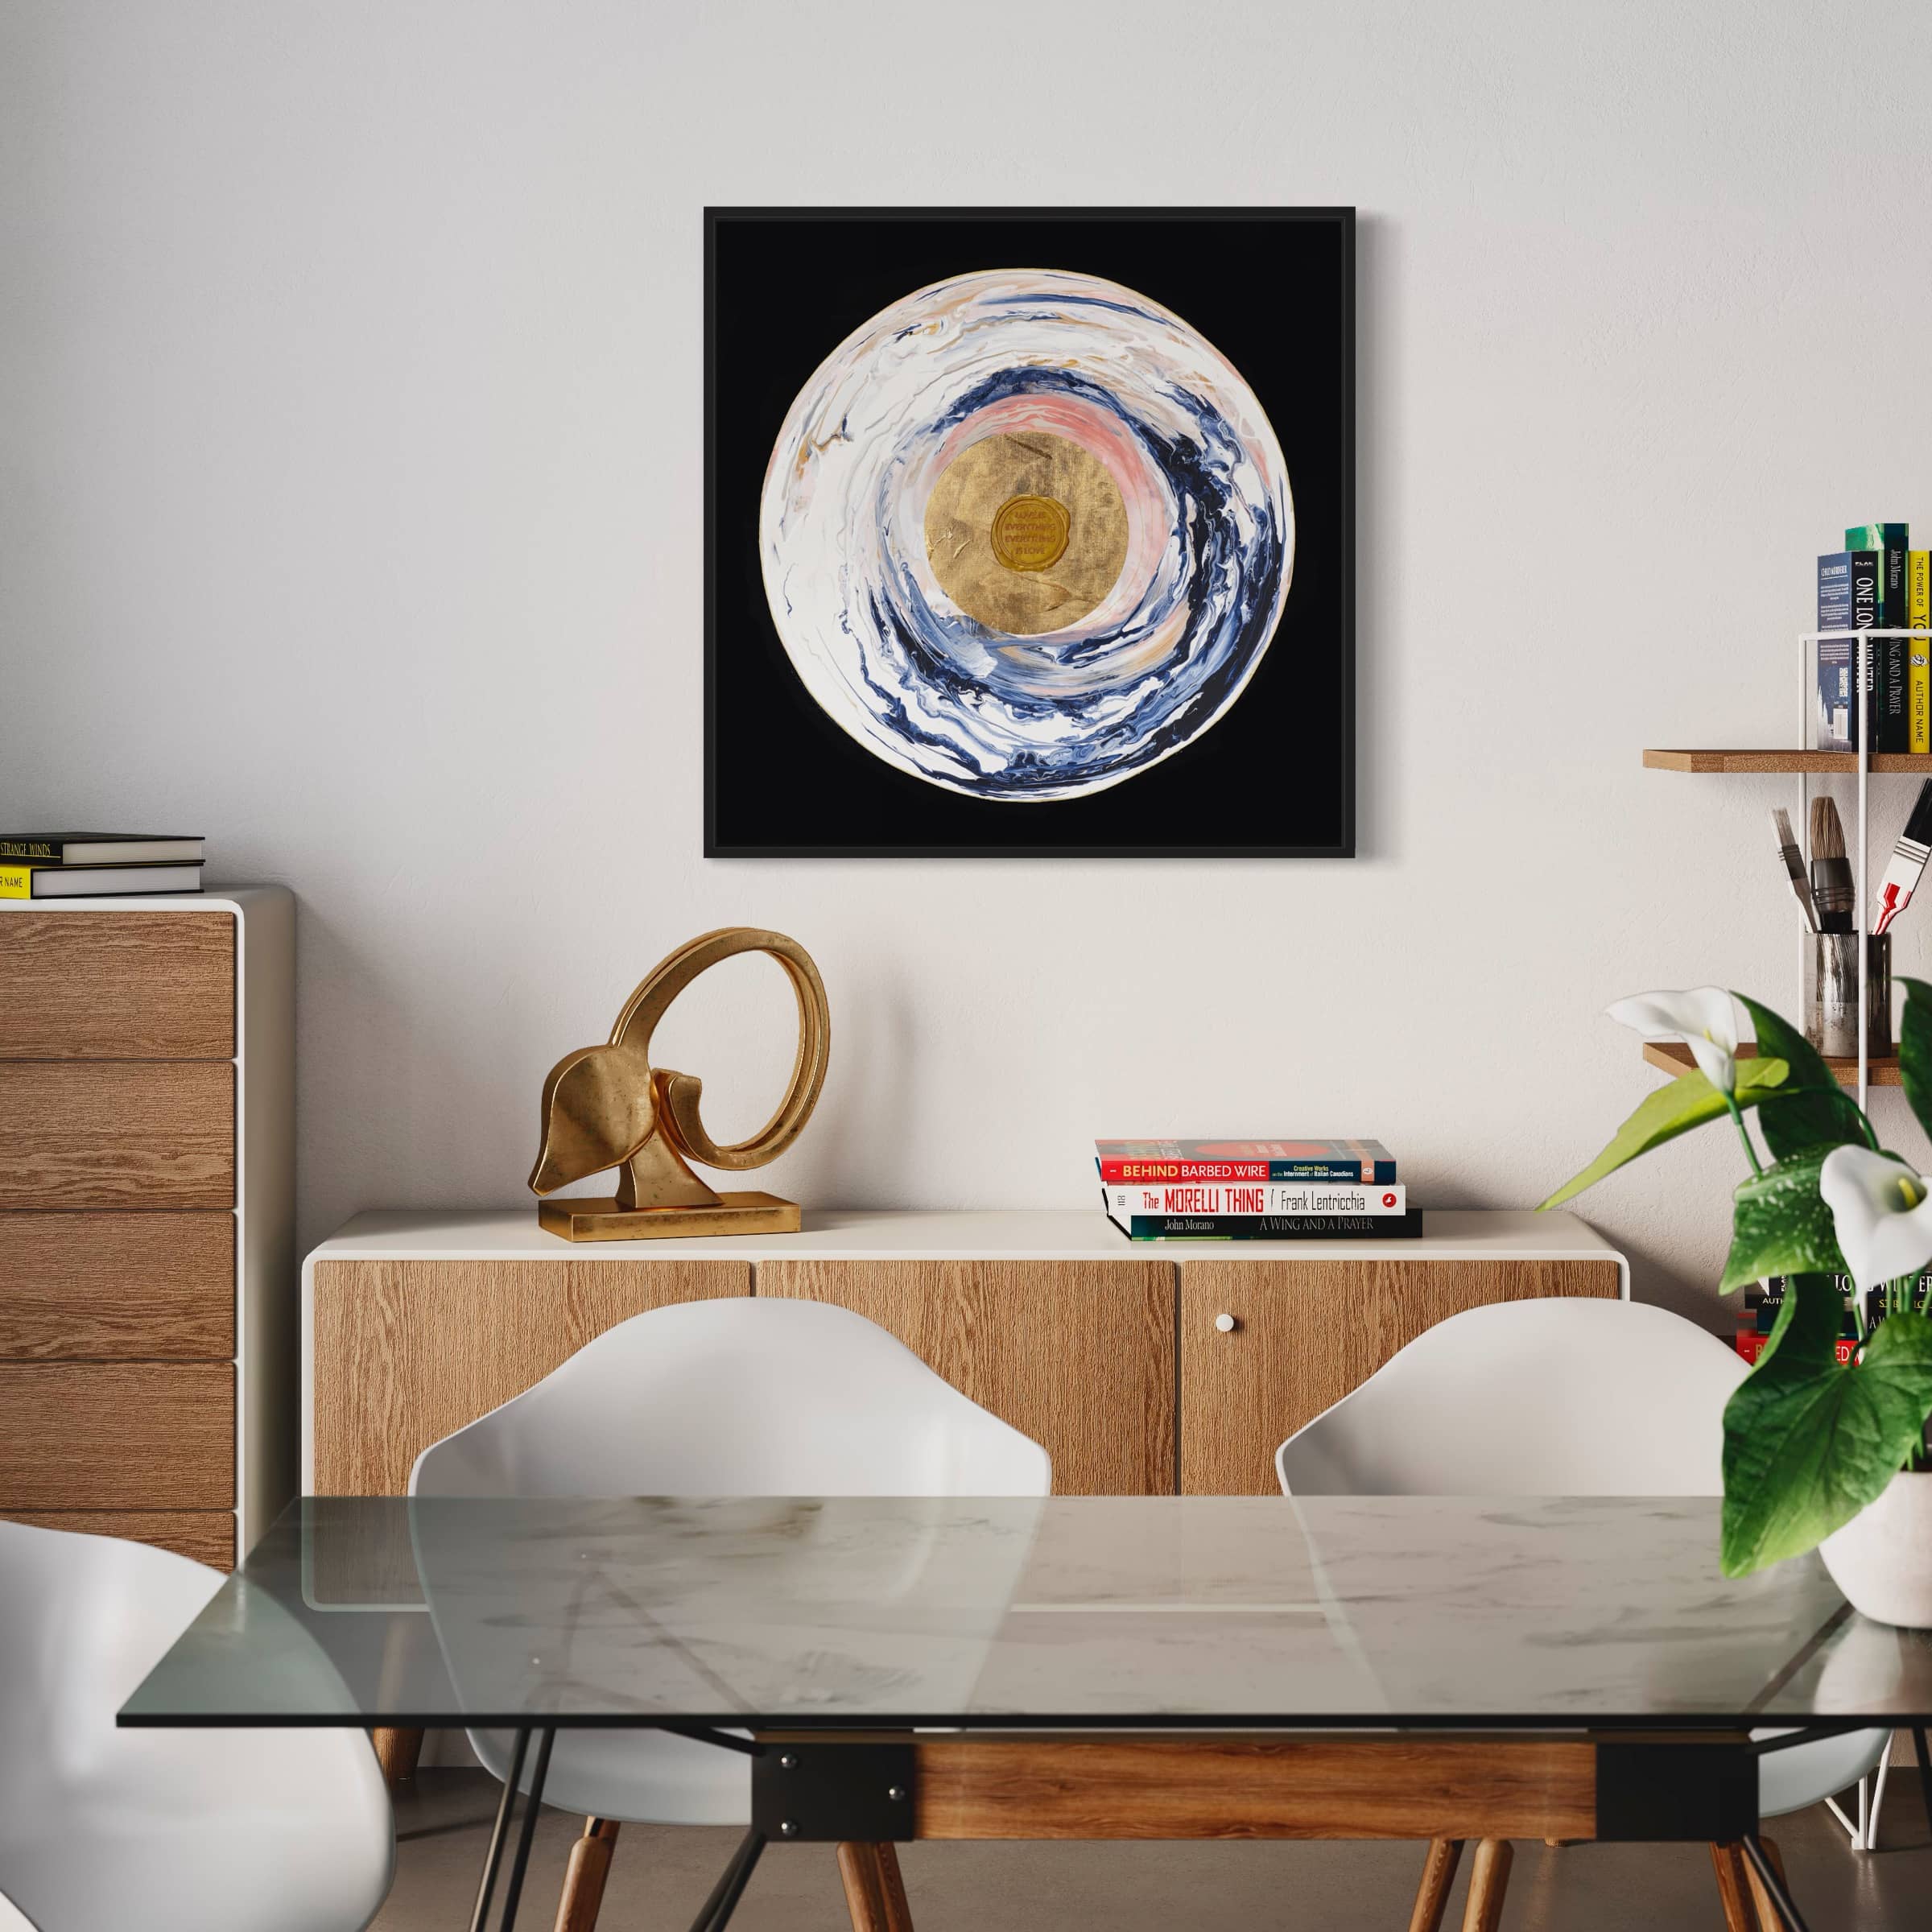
(94, 865)
(1253, 1191)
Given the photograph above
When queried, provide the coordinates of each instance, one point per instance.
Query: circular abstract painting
(1026, 534)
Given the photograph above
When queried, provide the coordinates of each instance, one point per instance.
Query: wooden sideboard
(1107, 1352)
(146, 1216)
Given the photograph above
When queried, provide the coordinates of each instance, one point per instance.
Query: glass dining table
(1433, 1669)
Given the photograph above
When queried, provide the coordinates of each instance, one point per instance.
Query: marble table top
(1068, 1611)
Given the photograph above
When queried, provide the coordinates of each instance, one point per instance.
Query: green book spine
(1891, 685)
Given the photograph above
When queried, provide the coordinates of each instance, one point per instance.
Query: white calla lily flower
(1705, 1019)
(1882, 1212)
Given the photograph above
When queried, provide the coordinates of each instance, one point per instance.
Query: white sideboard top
(874, 1234)
(214, 899)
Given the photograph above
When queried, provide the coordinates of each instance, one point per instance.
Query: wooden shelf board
(1674, 1059)
(1768, 759)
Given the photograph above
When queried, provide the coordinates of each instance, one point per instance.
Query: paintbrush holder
(1831, 1005)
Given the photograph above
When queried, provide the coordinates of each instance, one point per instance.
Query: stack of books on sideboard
(1253, 1191)
(95, 865)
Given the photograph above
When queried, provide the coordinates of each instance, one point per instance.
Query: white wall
(349, 512)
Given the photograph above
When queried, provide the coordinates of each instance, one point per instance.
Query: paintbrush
(1794, 862)
(1832, 891)
(1907, 864)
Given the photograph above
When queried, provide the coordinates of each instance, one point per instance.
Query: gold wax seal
(1026, 533)
(1029, 533)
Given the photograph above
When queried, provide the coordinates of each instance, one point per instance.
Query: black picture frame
(1274, 778)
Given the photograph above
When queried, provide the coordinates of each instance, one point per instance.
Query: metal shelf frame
(1862, 641)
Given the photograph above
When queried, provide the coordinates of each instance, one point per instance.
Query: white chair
(1560, 1397)
(733, 1396)
(170, 1830)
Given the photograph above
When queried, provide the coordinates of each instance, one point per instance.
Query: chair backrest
(83, 1619)
(1562, 1397)
(163, 1828)
(738, 1397)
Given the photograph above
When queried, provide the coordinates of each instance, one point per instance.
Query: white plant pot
(1882, 1559)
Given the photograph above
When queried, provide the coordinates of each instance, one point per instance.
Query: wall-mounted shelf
(1673, 1058)
(1770, 760)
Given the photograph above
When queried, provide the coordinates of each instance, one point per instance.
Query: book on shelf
(1919, 617)
(1286, 1160)
(1847, 600)
(1751, 1345)
(101, 849)
(1836, 717)
(23, 882)
(1888, 543)
(1759, 1316)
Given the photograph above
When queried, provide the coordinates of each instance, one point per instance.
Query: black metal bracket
(829, 1791)
(1660, 1791)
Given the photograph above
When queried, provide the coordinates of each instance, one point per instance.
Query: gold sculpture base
(601, 1219)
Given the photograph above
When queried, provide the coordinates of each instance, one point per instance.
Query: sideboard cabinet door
(1078, 1355)
(408, 1353)
(1303, 1334)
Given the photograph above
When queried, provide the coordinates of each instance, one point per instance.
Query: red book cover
(1284, 1160)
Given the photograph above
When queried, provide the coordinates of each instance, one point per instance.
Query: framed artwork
(1030, 531)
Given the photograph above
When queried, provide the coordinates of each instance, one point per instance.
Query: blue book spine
(1847, 600)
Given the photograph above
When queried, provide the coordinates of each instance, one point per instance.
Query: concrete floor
(662, 1874)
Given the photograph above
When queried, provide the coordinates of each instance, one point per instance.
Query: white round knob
(1224, 1322)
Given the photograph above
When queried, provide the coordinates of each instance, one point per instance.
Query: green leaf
(1811, 1109)
(1808, 1443)
(1915, 1049)
(1780, 1225)
(1687, 1102)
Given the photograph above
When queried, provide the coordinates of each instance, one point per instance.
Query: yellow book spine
(1919, 617)
(16, 882)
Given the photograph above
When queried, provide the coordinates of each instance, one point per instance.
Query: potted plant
(1818, 1453)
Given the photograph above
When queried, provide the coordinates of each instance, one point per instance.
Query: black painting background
(1271, 290)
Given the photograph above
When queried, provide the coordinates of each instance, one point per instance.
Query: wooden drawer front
(129, 1133)
(1307, 1333)
(1078, 1355)
(117, 1287)
(117, 986)
(408, 1353)
(117, 1435)
(207, 1535)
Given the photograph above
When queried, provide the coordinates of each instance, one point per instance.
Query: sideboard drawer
(117, 1435)
(117, 986)
(117, 1287)
(127, 1133)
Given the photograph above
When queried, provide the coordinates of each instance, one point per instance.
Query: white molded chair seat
(168, 1831)
(740, 1395)
(1562, 1397)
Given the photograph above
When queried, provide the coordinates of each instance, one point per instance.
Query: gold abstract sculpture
(608, 1106)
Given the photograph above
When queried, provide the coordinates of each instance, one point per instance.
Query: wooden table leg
(1770, 1918)
(585, 1876)
(397, 1752)
(875, 1894)
(1438, 1873)
(1733, 1887)
(1489, 1879)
